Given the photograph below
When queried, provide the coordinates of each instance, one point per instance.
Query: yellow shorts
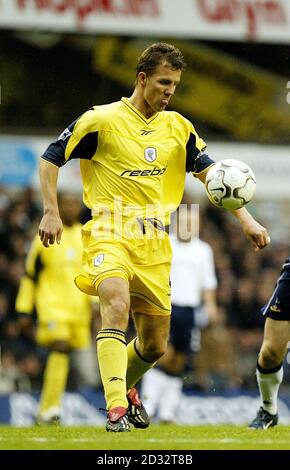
(77, 335)
(143, 262)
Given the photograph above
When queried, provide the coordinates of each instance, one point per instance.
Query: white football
(230, 184)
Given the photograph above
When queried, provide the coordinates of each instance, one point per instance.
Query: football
(230, 184)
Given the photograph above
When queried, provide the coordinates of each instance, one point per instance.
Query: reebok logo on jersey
(145, 132)
(153, 172)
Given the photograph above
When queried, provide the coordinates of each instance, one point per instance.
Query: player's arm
(50, 228)
(254, 231)
(78, 140)
(202, 175)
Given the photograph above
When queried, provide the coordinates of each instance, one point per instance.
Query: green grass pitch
(158, 437)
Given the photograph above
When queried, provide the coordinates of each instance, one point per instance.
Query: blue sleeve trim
(191, 153)
(55, 153)
(87, 147)
(202, 162)
(196, 161)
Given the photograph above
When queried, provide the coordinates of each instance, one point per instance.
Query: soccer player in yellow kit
(134, 156)
(63, 312)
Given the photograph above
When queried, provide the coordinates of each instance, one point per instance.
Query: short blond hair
(159, 53)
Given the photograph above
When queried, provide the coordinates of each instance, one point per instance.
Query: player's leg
(112, 349)
(54, 382)
(171, 365)
(270, 371)
(143, 352)
(108, 273)
(276, 337)
(148, 347)
(269, 366)
(181, 325)
(151, 309)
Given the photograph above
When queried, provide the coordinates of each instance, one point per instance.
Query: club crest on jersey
(99, 259)
(150, 154)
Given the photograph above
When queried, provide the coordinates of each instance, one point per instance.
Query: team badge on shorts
(150, 154)
(99, 259)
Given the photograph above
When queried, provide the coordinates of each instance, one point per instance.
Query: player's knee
(153, 352)
(270, 357)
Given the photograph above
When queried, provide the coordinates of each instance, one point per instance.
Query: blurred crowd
(226, 350)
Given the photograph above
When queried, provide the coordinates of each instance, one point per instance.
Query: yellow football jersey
(131, 164)
(48, 284)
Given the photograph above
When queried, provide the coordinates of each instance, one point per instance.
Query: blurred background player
(193, 283)
(64, 313)
(270, 361)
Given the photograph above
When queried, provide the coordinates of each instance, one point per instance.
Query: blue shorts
(278, 307)
(182, 322)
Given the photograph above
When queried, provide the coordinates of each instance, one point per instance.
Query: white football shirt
(192, 272)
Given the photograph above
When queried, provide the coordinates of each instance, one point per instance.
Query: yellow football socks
(137, 366)
(54, 383)
(112, 357)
